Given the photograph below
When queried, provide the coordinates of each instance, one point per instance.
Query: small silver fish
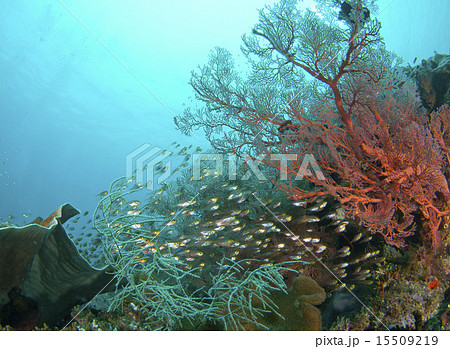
(309, 219)
(356, 238)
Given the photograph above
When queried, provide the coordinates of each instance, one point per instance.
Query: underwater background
(84, 85)
(70, 112)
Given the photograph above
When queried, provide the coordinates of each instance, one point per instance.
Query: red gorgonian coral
(329, 89)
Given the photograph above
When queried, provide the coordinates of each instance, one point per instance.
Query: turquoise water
(85, 83)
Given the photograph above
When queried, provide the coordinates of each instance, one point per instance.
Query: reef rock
(433, 80)
(42, 275)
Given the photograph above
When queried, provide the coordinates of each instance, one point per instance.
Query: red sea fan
(389, 169)
(337, 96)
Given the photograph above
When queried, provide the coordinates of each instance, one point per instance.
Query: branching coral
(169, 277)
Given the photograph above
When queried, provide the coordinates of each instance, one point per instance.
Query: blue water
(70, 112)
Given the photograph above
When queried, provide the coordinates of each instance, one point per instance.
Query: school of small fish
(201, 222)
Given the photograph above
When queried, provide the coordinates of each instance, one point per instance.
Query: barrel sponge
(39, 263)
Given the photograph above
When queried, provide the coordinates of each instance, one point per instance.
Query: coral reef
(445, 318)
(406, 296)
(192, 268)
(201, 238)
(130, 318)
(224, 248)
(404, 300)
(337, 96)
